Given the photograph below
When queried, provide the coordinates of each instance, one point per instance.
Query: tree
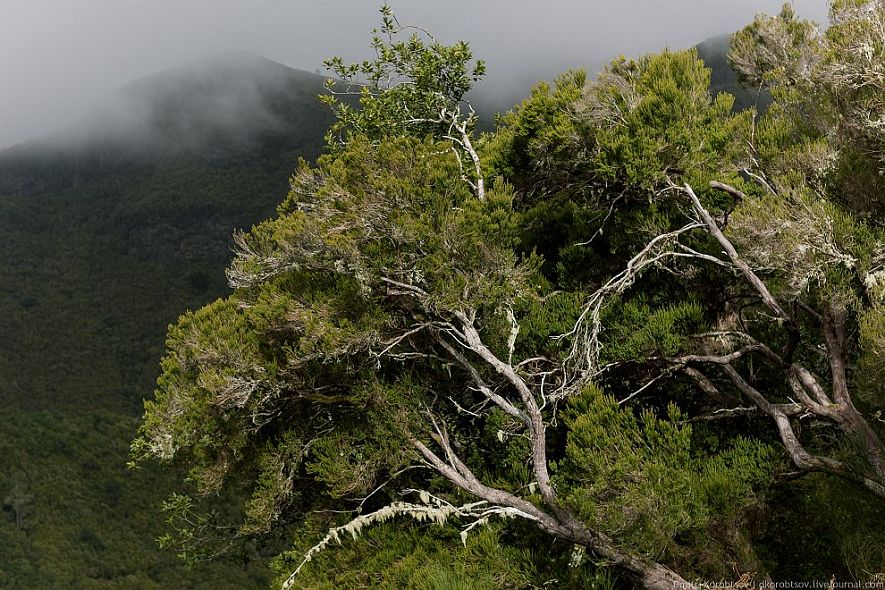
(406, 341)
(818, 230)
(412, 87)
(827, 124)
(16, 502)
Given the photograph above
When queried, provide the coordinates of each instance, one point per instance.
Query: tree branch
(484, 388)
(729, 249)
(537, 428)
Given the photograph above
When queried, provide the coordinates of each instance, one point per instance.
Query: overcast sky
(58, 57)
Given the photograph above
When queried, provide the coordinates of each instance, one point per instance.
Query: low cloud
(60, 58)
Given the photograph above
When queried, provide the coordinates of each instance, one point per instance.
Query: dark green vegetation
(634, 332)
(110, 230)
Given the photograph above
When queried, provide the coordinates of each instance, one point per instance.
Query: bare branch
(431, 509)
(484, 388)
(750, 411)
(511, 338)
(582, 362)
(729, 189)
(729, 249)
(393, 342)
(409, 289)
(647, 574)
(537, 428)
(643, 388)
(723, 359)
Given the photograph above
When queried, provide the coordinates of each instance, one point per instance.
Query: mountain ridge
(223, 106)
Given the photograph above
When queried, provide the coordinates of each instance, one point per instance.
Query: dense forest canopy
(598, 345)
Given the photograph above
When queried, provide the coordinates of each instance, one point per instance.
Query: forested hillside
(110, 230)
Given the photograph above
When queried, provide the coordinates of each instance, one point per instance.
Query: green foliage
(634, 330)
(338, 218)
(307, 385)
(539, 133)
(826, 124)
(775, 50)
(656, 116)
(800, 543)
(590, 162)
(298, 398)
(91, 524)
(412, 87)
(636, 478)
(300, 335)
(392, 556)
(871, 361)
(625, 131)
(816, 246)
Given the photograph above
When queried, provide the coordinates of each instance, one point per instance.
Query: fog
(59, 58)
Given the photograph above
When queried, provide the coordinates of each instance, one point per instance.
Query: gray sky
(58, 57)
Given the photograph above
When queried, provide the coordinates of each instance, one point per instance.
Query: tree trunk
(647, 574)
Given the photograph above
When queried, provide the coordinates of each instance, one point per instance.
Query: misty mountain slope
(145, 201)
(110, 230)
(714, 52)
(233, 105)
(227, 104)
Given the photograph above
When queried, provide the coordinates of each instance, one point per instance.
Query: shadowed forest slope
(110, 230)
